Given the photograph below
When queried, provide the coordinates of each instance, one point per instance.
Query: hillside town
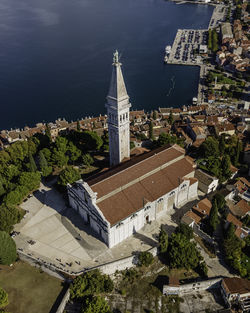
(134, 211)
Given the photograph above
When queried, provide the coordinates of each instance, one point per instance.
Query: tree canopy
(95, 304)
(4, 301)
(182, 252)
(7, 249)
(145, 258)
(68, 176)
(90, 283)
(185, 230)
(163, 241)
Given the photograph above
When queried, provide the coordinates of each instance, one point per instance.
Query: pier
(190, 44)
(186, 45)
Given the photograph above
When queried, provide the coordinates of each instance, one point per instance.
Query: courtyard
(55, 235)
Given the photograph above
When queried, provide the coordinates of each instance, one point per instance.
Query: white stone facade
(118, 115)
(83, 200)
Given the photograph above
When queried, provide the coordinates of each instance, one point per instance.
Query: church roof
(126, 172)
(126, 188)
(131, 199)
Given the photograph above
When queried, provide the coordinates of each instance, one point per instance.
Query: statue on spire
(116, 57)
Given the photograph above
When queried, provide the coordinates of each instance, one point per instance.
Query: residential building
(236, 290)
(207, 183)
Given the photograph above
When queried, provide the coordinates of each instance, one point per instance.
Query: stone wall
(192, 287)
(64, 302)
(122, 264)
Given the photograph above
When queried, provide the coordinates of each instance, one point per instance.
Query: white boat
(167, 53)
(168, 49)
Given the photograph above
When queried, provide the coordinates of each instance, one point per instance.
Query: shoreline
(202, 66)
(194, 2)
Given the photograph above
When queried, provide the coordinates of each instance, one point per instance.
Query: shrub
(145, 258)
(95, 305)
(90, 283)
(3, 298)
(68, 176)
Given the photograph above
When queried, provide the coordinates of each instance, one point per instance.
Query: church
(132, 192)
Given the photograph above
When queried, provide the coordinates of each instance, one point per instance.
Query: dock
(186, 44)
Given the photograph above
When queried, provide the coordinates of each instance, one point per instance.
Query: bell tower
(118, 115)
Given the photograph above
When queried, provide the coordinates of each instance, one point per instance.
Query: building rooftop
(236, 285)
(126, 188)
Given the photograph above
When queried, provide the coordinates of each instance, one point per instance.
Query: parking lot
(186, 46)
(219, 15)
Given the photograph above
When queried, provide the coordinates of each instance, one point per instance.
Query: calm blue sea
(56, 55)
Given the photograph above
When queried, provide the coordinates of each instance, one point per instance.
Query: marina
(187, 45)
(190, 43)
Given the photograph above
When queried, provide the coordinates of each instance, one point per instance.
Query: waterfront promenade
(190, 44)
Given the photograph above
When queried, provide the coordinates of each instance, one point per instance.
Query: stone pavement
(62, 239)
(216, 266)
(202, 302)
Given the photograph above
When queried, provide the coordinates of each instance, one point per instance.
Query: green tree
(61, 144)
(151, 130)
(166, 139)
(33, 144)
(163, 240)
(209, 39)
(46, 170)
(59, 158)
(185, 230)
(16, 196)
(182, 253)
(74, 152)
(225, 168)
(202, 269)
(90, 283)
(8, 217)
(68, 176)
(213, 219)
(4, 301)
(30, 180)
(2, 189)
(230, 231)
(47, 154)
(237, 152)
(78, 126)
(222, 144)
(48, 133)
(105, 139)
(145, 258)
(95, 305)
(220, 200)
(91, 141)
(32, 165)
(87, 159)
(214, 40)
(210, 147)
(7, 249)
(18, 151)
(11, 171)
(170, 119)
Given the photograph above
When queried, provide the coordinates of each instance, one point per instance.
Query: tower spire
(118, 115)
